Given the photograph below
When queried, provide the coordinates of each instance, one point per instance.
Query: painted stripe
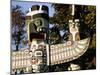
(36, 12)
(81, 46)
(48, 58)
(77, 50)
(84, 41)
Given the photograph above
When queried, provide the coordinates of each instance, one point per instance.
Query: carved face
(35, 25)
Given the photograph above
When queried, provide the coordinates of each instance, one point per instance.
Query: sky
(25, 5)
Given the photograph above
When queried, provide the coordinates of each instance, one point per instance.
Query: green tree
(54, 35)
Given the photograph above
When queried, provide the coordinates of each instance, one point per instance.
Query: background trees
(17, 27)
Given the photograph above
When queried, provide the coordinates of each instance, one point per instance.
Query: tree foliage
(17, 26)
(54, 35)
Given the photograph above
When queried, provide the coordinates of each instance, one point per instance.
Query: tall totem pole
(37, 25)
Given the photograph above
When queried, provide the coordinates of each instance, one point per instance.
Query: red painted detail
(34, 61)
(37, 36)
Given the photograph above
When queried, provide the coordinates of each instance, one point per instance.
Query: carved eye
(38, 53)
(38, 22)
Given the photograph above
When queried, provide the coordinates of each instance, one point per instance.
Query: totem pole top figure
(73, 26)
(37, 22)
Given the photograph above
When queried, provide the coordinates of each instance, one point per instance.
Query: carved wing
(68, 51)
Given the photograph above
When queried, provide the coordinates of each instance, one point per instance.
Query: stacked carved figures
(37, 22)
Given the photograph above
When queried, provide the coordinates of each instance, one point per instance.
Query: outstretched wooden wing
(68, 51)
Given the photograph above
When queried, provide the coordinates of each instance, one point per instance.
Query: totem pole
(37, 23)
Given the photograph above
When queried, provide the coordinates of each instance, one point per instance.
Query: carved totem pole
(37, 23)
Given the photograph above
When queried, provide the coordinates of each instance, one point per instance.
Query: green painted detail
(41, 15)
